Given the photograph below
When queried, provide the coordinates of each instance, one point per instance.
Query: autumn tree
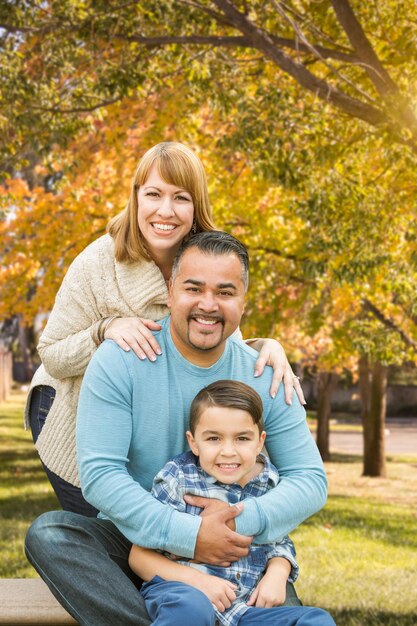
(302, 111)
(62, 59)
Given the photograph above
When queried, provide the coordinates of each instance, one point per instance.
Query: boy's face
(227, 443)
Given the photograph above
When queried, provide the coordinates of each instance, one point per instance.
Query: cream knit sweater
(96, 286)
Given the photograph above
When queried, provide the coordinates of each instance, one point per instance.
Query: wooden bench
(29, 601)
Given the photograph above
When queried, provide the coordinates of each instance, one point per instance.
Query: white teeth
(200, 320)
(227, 466)
(164, 226)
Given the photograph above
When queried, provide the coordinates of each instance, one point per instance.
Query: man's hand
(210, 505)
(216, 543)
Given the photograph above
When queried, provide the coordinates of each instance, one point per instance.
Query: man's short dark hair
(215, 242)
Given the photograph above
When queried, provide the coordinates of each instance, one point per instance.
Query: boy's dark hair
(230, 394)
(215, 242)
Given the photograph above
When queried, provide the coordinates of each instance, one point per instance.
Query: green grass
(358, 556)
(24, 490)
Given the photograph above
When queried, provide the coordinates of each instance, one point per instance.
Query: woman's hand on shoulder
(272, 353)
(134, 333)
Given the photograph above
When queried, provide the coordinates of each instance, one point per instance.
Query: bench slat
(29, 601)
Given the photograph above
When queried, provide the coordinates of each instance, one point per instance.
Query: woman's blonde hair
(177, 165)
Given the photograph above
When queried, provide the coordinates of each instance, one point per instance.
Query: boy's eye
(243, 438)
(213, 438)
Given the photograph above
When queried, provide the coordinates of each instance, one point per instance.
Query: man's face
(206, 300)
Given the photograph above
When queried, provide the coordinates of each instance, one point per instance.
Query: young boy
(226, 437)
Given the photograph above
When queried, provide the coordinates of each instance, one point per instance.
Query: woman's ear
(192, 443)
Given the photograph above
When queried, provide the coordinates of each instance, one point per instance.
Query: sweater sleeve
(104, 437)
(67, 342)
(302, 490)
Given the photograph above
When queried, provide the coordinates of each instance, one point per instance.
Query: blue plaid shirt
(183, 475)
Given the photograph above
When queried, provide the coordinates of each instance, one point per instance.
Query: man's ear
(169, 299)
(192, 443)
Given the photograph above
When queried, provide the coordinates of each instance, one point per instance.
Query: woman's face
(165, 214)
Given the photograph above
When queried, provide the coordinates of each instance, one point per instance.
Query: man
(132, 418)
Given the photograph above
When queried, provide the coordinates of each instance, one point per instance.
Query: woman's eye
(152, 194)
(184, 198)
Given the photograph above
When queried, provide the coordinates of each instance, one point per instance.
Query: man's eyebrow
(193, 281)
(199, 283)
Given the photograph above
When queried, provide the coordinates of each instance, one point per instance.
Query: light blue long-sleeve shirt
(132, 418)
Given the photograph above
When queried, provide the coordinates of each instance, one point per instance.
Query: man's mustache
(216, 318)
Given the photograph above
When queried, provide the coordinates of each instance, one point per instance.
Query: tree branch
(371, 308)
(234, 42)
(85, 109)
(325, 91)
(354, 32)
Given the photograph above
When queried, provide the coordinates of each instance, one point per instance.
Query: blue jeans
(84, 562)
(175, 604)
(69, 496)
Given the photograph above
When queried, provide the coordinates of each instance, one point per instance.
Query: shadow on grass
(362, 617)
(394, 526)
(28, 507)
(338, 457)
(20, 476)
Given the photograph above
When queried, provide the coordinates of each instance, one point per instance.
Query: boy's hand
(219, 591)
(268, 593)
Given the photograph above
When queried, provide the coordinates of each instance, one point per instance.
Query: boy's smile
(227, 443)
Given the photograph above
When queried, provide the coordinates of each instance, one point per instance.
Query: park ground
(358, 556)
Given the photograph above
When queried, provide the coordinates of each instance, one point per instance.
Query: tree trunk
(325, 385)
(374, 410)
(25, 353)
(365, 382)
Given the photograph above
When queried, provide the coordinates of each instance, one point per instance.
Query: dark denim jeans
(84, 562)
(69, 496)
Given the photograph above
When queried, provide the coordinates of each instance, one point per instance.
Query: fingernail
(158, 352)
(273, 395)
(153, 358)
(142, 357)
(256, 373)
